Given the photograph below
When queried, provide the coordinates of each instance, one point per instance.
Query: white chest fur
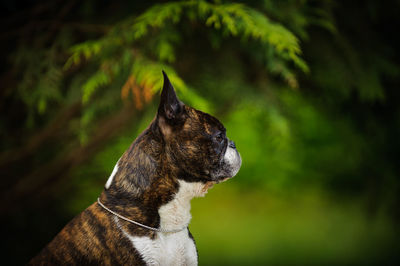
(171, 248)
(167, 249)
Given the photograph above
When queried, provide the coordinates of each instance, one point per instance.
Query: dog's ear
(170, 108)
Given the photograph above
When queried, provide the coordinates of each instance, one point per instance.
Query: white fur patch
(171, 248)
(176, 213)
(232, 158)
(110, 179)
(166, 249)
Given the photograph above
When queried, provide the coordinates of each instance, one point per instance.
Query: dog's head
(181, 143)
(195, 141)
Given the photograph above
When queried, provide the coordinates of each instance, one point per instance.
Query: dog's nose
(232, 144)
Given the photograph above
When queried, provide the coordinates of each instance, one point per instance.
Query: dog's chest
(171, 248)
(167, 249)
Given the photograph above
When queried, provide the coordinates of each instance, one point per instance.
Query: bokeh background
(309, 91)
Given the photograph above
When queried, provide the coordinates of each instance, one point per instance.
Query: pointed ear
(170, 106)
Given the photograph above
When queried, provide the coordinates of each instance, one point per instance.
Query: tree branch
(60, 167)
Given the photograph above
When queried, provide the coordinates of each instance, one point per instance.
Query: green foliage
(101, 78)
(40, 81)
(122, 66)
(135, 50)
(231, 19)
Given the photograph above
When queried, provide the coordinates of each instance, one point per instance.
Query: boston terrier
(143, 213)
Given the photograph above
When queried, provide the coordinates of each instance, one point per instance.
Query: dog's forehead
(209, 123)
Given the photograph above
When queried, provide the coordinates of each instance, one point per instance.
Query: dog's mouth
(210, 184)
(228, 167)
(222, 179)
(232, 161)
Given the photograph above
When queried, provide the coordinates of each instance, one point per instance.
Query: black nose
(232, 144)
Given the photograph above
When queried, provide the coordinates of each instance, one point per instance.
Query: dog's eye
(220, 137)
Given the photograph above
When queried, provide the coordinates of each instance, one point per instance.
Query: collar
(137, 223)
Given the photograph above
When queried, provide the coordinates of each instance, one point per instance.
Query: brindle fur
(176, 145)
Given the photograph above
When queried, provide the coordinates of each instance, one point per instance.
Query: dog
(143, 213)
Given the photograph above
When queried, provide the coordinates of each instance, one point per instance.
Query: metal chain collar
(137, 223)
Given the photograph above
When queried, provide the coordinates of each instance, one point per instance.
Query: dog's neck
(176, 213)
(144, 192)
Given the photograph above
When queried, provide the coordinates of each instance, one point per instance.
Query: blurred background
(308, 90)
